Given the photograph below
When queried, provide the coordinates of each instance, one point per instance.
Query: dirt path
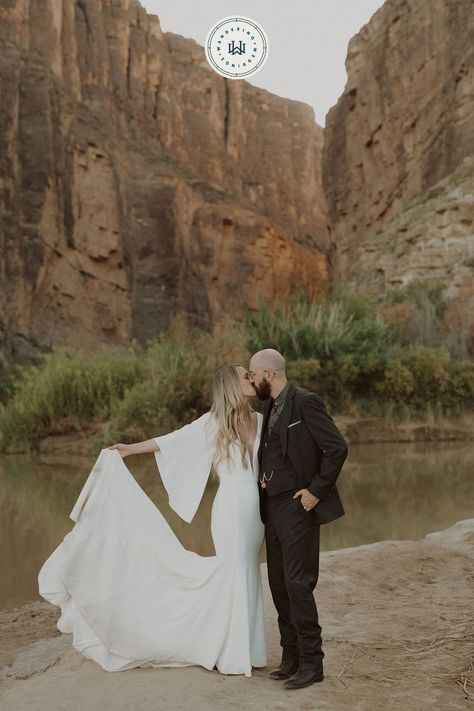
(397, 620)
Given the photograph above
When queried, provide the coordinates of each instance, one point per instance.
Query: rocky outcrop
(136, 183)
(398, 164)
(431, 239)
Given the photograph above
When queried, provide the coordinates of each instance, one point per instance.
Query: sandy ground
(398, 633)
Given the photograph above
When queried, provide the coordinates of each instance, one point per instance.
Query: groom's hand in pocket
(308, 500)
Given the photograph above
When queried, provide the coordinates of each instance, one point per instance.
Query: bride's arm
(148, 445)
(184, 437)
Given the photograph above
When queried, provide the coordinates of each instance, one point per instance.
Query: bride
(129, 592)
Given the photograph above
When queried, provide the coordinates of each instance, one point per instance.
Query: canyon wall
(398, 159)
(136, 183)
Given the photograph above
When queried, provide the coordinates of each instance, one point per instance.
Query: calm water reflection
(390, 491)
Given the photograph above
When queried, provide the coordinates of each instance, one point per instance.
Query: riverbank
(356, 430)
(397, 626)
(366, 430)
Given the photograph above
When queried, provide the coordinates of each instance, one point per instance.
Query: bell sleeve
(184, 461)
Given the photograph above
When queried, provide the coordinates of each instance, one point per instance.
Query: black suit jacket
(314, 447)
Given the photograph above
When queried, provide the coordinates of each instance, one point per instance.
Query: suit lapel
(266, 414)
(285, 416)
(283, 420)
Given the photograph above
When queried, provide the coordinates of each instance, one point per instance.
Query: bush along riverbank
(400, 359)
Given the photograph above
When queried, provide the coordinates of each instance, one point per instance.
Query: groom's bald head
(268, 359)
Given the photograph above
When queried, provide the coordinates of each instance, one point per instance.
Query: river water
(389, 491)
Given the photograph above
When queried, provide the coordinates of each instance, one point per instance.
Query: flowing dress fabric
(132, 595)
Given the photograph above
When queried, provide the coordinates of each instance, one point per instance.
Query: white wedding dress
(132, 595)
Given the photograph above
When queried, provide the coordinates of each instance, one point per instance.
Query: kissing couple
(133, 596)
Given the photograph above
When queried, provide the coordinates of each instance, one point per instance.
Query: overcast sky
(307, 40)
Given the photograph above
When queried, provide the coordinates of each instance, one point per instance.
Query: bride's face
(248, 389)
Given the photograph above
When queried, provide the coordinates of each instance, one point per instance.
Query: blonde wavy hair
(232, 411)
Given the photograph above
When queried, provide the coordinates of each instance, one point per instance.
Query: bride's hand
(122, 448)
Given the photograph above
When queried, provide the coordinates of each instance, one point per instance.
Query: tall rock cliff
(398, 161)
(136, 183)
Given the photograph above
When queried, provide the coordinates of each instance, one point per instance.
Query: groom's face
(257, 377)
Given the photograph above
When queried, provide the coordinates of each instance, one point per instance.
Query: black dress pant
(292, 542)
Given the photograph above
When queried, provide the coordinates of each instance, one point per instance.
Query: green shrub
(342, 348)
(461, 384)
(337, 346)
(419, 292)
(397, 382)
(67, 384)
(7, 382)
(322, 329)
(179, 368)
(306, 373)
(430, 370)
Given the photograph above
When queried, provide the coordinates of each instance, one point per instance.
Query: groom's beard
(263, 389)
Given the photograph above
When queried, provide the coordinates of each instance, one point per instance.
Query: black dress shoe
(285, 670)
(305, 676)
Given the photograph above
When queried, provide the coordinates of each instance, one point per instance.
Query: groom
(301, 454)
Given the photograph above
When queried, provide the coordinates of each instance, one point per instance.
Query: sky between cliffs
(307, 40)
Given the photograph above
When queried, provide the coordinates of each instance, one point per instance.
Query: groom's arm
(324, 432)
